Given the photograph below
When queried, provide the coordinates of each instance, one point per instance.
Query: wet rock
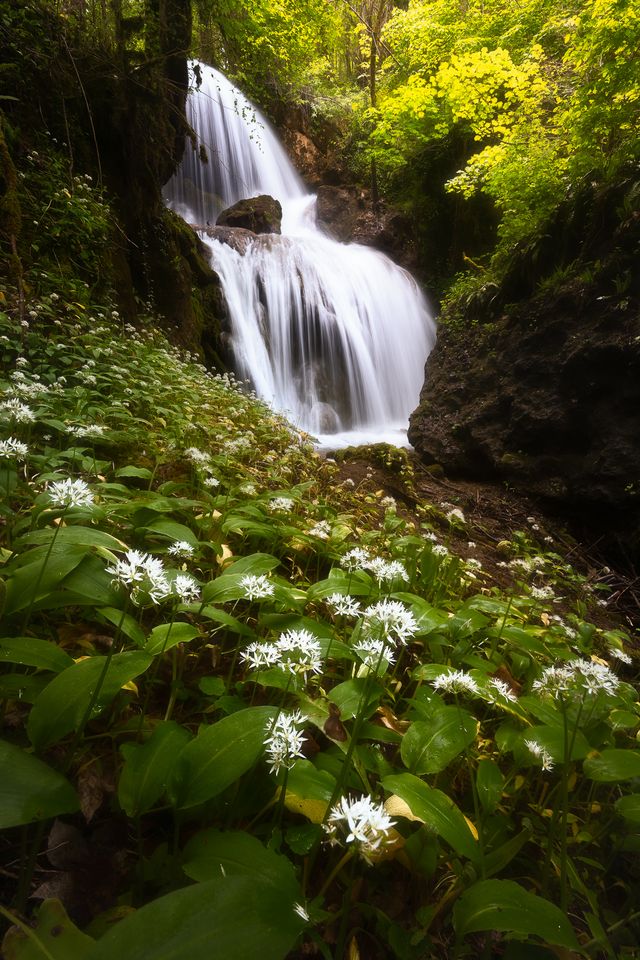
(545, 392)
(260, 214)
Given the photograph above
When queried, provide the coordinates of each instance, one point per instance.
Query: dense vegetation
(245, 700)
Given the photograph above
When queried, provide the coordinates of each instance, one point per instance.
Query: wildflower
(365, 823)
(17, 411)
(300, 910)
(13, 449)
(541, 752)
(620, 655)
(542, 593)
(186, 588)
(281, 503)
(285, 741)
(439, 550)
(69, 493)
(260, 655)
(211, 482)
(322, 530)
(388, 503)
(143, 575)
(256, 587)
(576, 677)
(387, 570)
(356, 559)
(374, 652)
(91, 430)
(344, 605)
(197, 456)
(503, 689)
(456, 681)
(455, 514)
(392, 619)
(180, 548)
(299, 652)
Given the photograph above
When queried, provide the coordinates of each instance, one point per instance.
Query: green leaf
(552, 739)
(168, 635)
(31, 790)
(78, 536)
(489, 784)
(430, 747)
(613, 765)
(437, 810)
(212, 853)
(172, 530)
(235, 917)
(219, 755)
(127, 624)
(629, 807)
(504, 905)
(33, 652)
(55, 938)
(148, 767)
(141, 472)
(62, 704)
(356, 696)
(34, 580)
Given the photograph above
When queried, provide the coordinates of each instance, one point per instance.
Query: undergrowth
(307, 726)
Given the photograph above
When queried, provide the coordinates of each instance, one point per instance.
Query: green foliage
(197, 604)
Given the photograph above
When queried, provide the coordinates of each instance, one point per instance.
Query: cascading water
(333, 335)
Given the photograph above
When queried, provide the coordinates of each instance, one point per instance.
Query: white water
(333, 335)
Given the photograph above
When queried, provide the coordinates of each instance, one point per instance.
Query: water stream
(333, 335)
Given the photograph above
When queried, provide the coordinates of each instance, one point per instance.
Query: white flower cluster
(541, 753)
(143, 575)
(390, 620)
(284, 740)
(256, 587)
(343, 605)
(13, 409)
(383, 570)
(295, 652)
(181, 549)
(360, 821)
(456, 681)
(69, 493)
(13, 449)
(577, 676)
(321, 530)
(284, 504)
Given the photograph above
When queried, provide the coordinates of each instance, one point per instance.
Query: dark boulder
(545, 393)
(260, 214)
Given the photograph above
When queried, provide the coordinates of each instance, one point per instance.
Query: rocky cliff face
(544, 391)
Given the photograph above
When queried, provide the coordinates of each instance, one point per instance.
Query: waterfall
(333, 335)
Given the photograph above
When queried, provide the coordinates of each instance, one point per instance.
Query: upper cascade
(333, 335)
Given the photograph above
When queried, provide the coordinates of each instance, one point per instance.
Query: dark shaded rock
(546, 394)
(348, 215)
(259, 214)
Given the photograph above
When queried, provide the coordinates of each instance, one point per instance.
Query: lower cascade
(333, 335)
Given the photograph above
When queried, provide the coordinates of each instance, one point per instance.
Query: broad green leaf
(212, 853)
(148, 767)
(506, 906)
(629, 807)
(125, 622)
(437, 810)
(552, 739)
(33, 652)
(23, 686)
(356, 584)
(168, 635)
(142, 473)
(429, 618)
(62, 704)
(611, 765)
(55, 937)
(489, 784)
(172, 530)
(358, 696)
(79, 536)
(430, 747)
(219, 755)
(497, 859)
(31, 790)
(218, 616)
(309, 791)
(35, 580)
(235, 917)
(255, 563)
